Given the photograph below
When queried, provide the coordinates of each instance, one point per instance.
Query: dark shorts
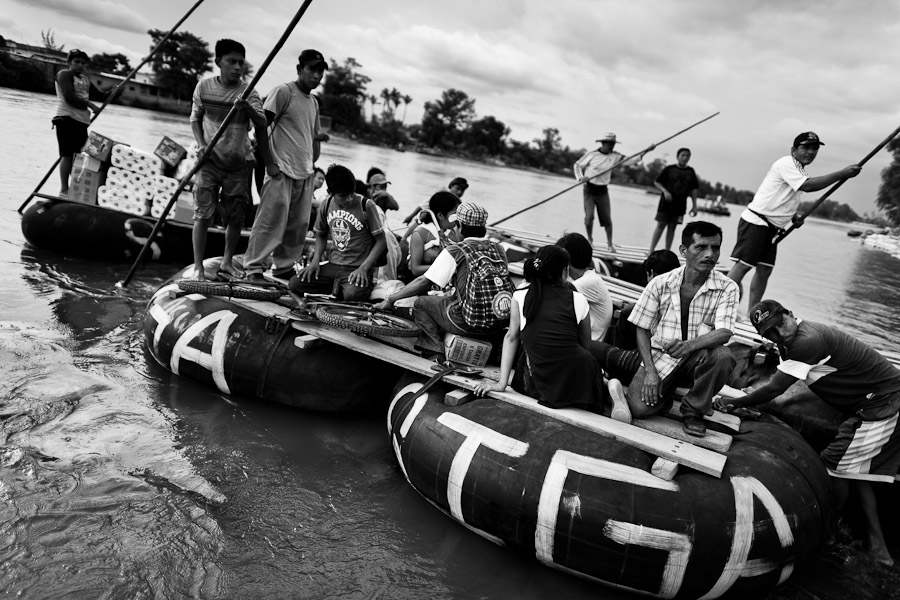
(596, 197)
(225, 191)
(754, 245)
(70, 134)
(667, 219)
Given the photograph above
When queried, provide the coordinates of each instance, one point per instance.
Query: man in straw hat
(594, 169)
(854, 379)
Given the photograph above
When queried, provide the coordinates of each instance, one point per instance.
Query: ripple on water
(97, 497)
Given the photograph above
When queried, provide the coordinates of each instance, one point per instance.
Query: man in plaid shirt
(684, 318)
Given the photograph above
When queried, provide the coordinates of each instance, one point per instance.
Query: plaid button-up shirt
(658, 310)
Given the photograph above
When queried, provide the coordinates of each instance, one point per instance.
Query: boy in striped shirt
(223, 180)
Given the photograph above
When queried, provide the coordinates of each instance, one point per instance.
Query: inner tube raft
(589, 505)
(95, 232)
(249, 348)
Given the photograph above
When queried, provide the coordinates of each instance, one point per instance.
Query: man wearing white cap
(594, 169)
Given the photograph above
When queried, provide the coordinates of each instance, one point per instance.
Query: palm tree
(373, 100)
(395, 100)
(386, 96)
(406, 100)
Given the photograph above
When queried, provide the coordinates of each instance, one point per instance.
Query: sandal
(694, 425)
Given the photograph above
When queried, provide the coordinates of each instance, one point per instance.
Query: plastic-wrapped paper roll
(157, 210)
(185, 166)
(124, 200)
(161, 182)
(129, 179)
(138, 161)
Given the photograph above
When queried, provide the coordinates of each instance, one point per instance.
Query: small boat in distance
(715, 206)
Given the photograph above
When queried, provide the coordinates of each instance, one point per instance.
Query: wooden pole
(799, 222)
(111, 95)
(621, 162)
(228, 118)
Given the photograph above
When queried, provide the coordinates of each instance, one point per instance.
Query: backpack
(485, 296)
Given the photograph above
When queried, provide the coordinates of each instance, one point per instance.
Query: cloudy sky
(641, 68)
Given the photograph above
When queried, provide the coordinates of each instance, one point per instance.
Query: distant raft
(251, 349)
(533, 480)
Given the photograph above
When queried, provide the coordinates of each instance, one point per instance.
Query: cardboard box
(466, 350)
(170, 151)
(87, 176)
(98, 146)
(184, 208)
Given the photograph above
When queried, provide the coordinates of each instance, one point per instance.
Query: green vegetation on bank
(450, 125)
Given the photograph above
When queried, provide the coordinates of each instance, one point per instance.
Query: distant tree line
(450, 124)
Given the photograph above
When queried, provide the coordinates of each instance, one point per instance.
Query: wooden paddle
(111, 95)
(799, 222)
(621, 162)
(204, 157)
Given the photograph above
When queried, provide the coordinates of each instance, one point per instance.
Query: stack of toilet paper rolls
(135, 184)
(136, 161)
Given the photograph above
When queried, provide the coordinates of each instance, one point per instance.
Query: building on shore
(140, 91)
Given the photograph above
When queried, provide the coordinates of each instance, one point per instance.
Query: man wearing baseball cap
(73, 89)
(774, 207)
(282, 218)
(854, 379)
(594, 169)
(460, 264)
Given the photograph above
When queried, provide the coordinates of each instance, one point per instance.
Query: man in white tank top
(72, 117)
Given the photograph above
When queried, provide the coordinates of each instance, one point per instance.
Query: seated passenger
(683, 320)
(429, 238)
(354, 226)
(587, 281)
(480, 303)
(554, 325)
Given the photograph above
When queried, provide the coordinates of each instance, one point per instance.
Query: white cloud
(114, 15)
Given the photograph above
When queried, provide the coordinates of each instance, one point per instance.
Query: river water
(120, 480)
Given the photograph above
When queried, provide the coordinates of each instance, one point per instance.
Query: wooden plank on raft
(664, 469)
(679, 451)
(713, 440)
(687, 454)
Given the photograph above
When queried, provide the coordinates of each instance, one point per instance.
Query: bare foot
(612, 248)
(195, 275)
(232, 272)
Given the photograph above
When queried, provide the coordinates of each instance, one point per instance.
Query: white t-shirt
(778, 196)
(581, 306)
(594, 289)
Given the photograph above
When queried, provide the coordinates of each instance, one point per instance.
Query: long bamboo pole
(799, 222)
(111, 95)
(228, 118)
(621, 162)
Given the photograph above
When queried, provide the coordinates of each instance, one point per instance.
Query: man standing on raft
(773, 208)
(594, 169)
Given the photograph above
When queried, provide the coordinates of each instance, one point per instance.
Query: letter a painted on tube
(214, 360)
(745, 489)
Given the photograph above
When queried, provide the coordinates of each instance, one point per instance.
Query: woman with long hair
(554, 326)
